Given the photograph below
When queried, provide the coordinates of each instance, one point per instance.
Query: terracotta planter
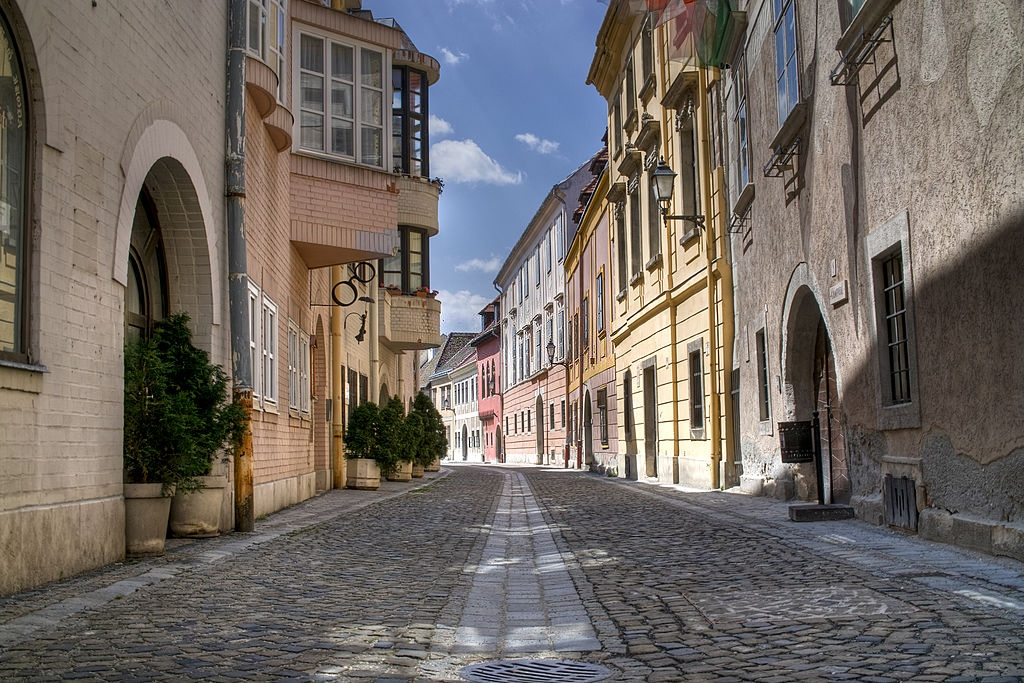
(362, 474)
(417, 471)
(403, 472)
(197, 514)
(146, 511)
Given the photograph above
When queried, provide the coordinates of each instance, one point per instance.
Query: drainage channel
(534, 671)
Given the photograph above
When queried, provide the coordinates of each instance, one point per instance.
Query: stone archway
(541, 431)
(812, 384)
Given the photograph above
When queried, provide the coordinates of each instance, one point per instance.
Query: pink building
(488, 363)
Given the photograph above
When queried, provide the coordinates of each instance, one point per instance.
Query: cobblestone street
(417, 581)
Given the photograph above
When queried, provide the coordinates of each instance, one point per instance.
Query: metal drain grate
(534, 671)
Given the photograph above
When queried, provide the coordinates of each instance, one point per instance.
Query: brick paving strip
(522, 599)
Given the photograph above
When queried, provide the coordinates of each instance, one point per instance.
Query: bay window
(408, 269)
(341, 100)
(409, 114)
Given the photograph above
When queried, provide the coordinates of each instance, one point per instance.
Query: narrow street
(485, 564)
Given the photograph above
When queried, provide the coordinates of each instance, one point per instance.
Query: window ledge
(689, 236)
(654, 262)
(790, 127)
(744, 201)
(621, 296)
(637, 277)
(866, 20)
(647, 91)
(25, 377)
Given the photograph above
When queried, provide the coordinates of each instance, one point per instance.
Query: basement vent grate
(899, 495)
(534, 671)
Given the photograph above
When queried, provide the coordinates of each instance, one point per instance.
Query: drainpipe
(710, 234)
(338, 472)
(238, 286)
(373, 332)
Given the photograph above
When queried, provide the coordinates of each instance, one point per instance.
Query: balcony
(341, 213)
(408, 322)
(417, 203)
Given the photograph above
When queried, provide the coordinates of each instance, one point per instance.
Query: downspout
(238, 286)
(500, 379)
(710, 232)
(338, 407)
(374, 334)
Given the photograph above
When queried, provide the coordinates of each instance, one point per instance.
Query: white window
(341, 100)
(298, 369)
(255, 359)
(268, 349)
(741, 150)
(265, 26)
(786, 66)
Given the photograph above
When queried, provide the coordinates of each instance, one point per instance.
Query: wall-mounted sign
(796, 441)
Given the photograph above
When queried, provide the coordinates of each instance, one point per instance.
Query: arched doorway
(541, 431)
(465, 443)
(384, 395)
(588, 431)
(651, 421)
(812, 384)
(499, 451)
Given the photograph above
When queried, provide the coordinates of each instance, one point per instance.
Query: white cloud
(453, 58)
(462, 161)
(460, 311)
(536, 144)
(491, 265)
(439, 126)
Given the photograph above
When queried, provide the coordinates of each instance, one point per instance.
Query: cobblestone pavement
(415, 582)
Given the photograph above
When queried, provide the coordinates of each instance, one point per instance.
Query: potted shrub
(362, 469)
(394, 451)
(427, 436)
(177, 417)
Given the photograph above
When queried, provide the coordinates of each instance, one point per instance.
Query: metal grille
(534, 671)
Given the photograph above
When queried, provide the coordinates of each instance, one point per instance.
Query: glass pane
(342, 141)
(255, 29)
(341, 99)
(371, 141)
(372, 108)
(372, 68)
(12, 163)
(135, 295)
(311, 51)
(341, 62)
(312, 131)
(312, 88)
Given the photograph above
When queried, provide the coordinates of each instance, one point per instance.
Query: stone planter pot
(362, 474)
(403, 472)
(417, 471)
(146, 511)
(434, 466)
(197, 514)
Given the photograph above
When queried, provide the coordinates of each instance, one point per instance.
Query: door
(833, 445)
(651, 421)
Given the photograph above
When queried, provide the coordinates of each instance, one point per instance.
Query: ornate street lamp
(664, 183)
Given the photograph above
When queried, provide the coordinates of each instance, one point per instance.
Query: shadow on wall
(969, 326)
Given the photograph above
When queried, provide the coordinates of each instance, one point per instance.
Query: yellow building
(670, 290)
(591, 389)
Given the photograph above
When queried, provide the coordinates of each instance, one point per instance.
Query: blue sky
(510, 116)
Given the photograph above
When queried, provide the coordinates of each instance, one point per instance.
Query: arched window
(146, 294)
(14, 232)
